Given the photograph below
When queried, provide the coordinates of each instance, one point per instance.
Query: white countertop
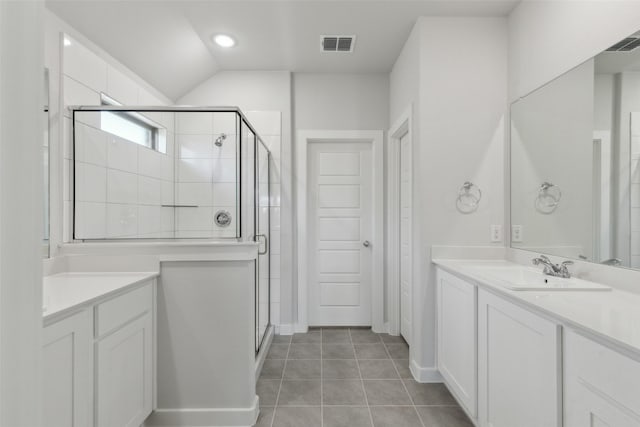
(612, 316)
(65, 292)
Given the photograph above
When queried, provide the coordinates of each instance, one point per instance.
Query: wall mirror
(575, 152)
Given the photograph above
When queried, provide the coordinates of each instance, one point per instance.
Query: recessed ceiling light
(224, 40)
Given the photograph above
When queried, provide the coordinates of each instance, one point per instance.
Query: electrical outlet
(516, 233)
(496, 233)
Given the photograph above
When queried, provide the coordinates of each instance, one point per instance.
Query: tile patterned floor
(348, 378)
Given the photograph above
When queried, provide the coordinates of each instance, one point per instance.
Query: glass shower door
(263, 291)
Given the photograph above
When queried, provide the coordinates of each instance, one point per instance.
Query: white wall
(548, 38)
(404, 80)
(21, 133)
(463, 99)
(79, 72)
(461, 102)
(328, 101)
(341, 101)
(265, 97)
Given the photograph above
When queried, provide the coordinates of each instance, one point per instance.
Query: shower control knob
(366, 244)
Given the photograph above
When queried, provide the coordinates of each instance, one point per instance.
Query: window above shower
(134, 127)
(163, 173)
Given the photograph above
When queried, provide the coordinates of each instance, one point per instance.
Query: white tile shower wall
(121, 185)
(128, 188)
(206, 173)
(268, 125)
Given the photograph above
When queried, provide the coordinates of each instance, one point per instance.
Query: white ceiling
(168, 43)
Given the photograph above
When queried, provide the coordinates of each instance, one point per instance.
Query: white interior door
(405, 237)
(339, 231)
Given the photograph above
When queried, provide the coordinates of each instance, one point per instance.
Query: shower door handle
(266, 243)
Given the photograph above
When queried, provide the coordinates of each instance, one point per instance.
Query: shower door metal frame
(256, 220)
(241, 118)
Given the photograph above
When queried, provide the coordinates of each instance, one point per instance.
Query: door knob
(366, 244)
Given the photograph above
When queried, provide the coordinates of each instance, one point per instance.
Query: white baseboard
(201, 417)
(384, 330)
(285, 329)
(425, 375)
(262, 355)
(292, 328)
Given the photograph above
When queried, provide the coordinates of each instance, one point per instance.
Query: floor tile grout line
(338, 358)
(321, 382)
(357, 360)
(364, 391)
(275, 407)
(415, 410)
(338, 406)
(360, 406)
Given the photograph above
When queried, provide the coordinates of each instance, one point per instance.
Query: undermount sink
(529, 279)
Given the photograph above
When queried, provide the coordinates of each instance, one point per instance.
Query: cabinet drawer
(114, 313)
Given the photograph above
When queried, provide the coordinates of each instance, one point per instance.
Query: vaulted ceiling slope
(168, 43)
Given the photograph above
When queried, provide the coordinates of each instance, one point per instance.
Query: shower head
(220, 139)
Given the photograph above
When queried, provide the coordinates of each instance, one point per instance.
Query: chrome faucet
(551, 269)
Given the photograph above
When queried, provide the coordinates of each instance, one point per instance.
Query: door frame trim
(401, 127)
(376, 138)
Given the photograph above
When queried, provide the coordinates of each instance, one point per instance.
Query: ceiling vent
(626, 45)
(343, 44)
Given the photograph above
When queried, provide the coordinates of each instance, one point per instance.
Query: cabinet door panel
(601, 386)
(68, 372)
(519, 366)
(588, 407)
(457, 341)
(124, 389)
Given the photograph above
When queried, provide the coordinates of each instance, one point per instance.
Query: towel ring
(548, 198)
(469, 197)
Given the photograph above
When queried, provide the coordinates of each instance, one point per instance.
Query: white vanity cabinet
(519, 367)
(601, 386)
(540, 361)
(457, 338)
(99, 362)
(501, 361)
(124, 359)
(67, 352)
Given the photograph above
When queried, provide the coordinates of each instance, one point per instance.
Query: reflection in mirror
(575, 151)
(45, 165)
